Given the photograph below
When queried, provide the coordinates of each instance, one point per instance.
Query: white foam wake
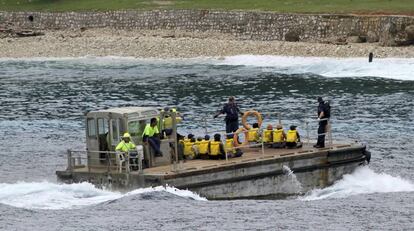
(45, 195)
(362, 181)
(393, 68)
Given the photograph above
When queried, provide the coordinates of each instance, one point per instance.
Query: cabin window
(102, 126)
(133, 128)
(91, 128)
(115, 131)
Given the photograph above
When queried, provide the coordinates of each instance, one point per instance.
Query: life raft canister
(251, 113)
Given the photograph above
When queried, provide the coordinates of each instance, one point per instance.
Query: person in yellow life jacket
(181, 141)
(168, 121)
(293, 138)
(151, 136)
(189, 151)
(267, 135)
(279, 137)
(230, 145)
(252, 133)
(230, 149)
(216, 148)
(202, 146)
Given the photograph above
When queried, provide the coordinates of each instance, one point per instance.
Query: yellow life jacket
(267, 136)
(202, 146)
(252, 135)
(188, 148)
(215, 148)
(278, 136)
(292, 136)
(230, 146)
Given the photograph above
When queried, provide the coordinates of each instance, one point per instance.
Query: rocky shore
(177, 44)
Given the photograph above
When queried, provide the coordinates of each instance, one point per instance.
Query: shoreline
(177, 44)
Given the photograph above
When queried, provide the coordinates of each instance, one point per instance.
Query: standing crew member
(151, 136)
(232, 111)
(324, 113)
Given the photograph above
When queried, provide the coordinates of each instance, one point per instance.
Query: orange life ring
(236, 137)
(251, 113)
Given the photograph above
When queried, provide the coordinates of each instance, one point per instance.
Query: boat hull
(262, 177)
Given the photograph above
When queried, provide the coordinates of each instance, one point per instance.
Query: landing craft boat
(260, 172)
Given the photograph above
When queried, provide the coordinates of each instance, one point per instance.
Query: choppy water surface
(43, 102)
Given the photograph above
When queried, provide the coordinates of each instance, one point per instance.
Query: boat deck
(249, 155)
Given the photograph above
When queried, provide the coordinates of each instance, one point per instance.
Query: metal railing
(112, 162)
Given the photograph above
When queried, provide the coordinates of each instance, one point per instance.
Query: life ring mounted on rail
(236, 142)
(251, 113)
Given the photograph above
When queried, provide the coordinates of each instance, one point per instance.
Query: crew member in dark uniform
(323, 118)
(232, 111)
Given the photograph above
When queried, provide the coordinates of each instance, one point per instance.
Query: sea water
(43, 102)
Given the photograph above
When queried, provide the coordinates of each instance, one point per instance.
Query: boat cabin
(105, 128)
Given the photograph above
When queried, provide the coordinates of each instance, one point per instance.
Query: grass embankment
(291, 6)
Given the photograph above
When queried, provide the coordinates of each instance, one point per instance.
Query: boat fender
(236, 142)
(251, 113)
(367, 155)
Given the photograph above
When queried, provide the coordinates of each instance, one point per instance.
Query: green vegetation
(299, 6)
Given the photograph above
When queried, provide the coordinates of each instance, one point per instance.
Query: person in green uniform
(126, 144)
(151, 136)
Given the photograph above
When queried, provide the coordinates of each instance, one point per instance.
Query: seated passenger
(151, 136)
(252, 133)
(279, 137)
(202, 146)
(189, 152)
(216, 148)
(230, 149)
(293, 138)
(229, 146)
(267, 135)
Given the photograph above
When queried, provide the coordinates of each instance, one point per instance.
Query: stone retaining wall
(243, 25)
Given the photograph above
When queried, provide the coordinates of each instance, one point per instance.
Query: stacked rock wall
(242, 24)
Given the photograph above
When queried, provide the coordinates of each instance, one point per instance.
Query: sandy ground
(173, 44)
